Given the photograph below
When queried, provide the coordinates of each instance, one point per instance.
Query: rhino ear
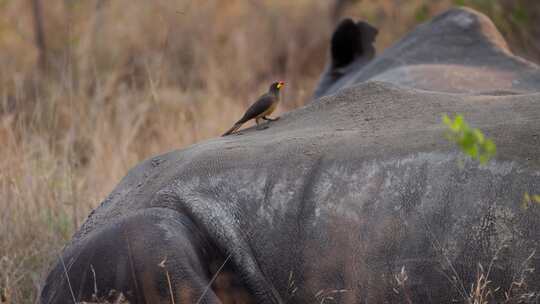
(351, 40)
(368, 34)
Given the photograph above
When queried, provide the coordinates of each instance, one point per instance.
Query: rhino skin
(354, 198)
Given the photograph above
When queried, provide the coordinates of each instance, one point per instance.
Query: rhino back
(344, 192)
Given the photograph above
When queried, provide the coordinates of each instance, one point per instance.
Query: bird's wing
(262, 104)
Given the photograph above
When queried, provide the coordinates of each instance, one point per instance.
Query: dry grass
(131, 79)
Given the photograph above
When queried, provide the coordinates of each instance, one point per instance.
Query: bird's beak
(280, 84)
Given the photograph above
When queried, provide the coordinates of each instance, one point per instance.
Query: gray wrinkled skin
(338, 197)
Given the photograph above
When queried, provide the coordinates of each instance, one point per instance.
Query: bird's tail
(234, 128)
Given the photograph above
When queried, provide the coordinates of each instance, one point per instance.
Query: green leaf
(526, 201)
(490, 147)
(479, 137)
(458, 123)
(483, 159)
(472, 151)
(467, 141)
(446, 120)
(470, 140)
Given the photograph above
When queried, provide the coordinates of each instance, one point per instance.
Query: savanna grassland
(110, 83)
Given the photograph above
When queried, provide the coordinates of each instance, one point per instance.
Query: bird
(261, 109)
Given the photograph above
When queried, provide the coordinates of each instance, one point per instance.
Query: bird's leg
(270, 119)
(259, 126)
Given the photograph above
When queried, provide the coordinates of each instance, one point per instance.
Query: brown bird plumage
(264, 106)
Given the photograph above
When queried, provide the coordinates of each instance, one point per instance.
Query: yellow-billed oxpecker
(261, 109)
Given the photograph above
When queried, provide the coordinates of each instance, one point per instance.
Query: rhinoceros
(357, 197)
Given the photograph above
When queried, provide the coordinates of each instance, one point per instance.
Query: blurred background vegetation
(89, 88)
